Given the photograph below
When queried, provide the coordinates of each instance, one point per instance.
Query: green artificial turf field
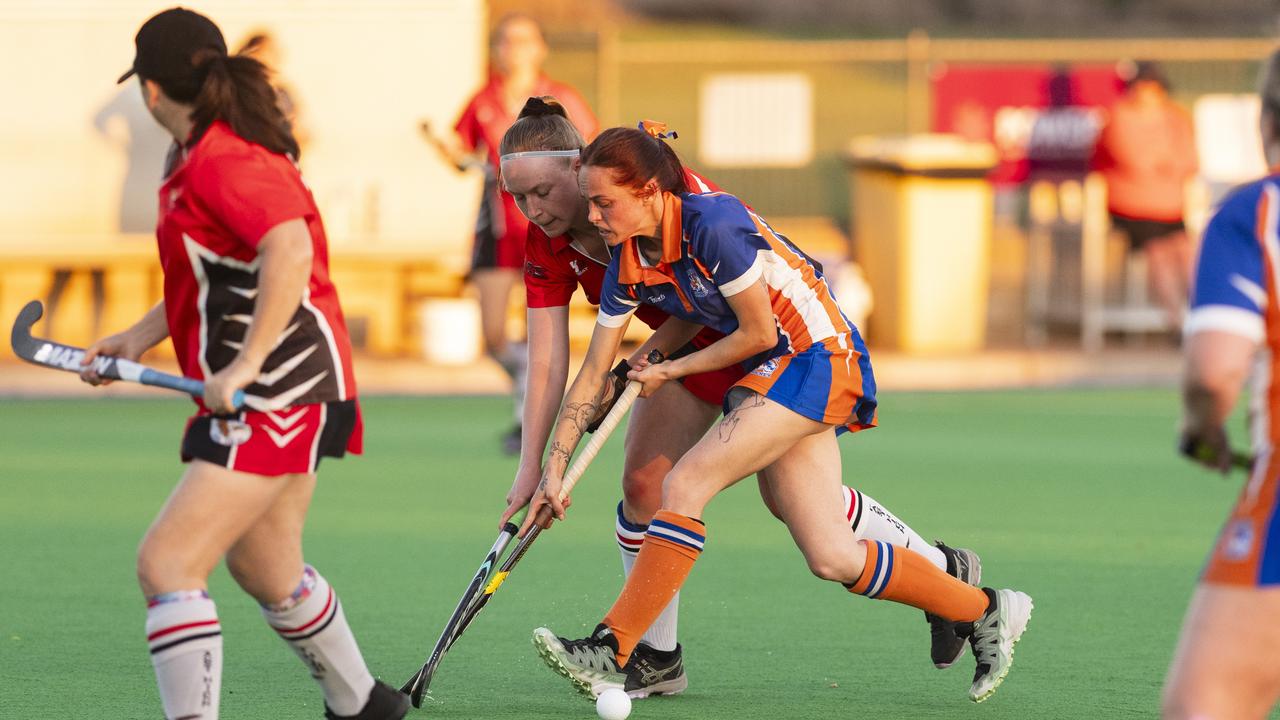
(1073, 496)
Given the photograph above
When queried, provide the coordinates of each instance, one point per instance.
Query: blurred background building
(934, 154)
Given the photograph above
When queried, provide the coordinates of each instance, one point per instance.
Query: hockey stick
(474, 601)
(47, 353)
(417, 685)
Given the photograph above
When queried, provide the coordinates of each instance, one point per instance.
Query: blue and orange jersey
(714, 247)
(1237, 290)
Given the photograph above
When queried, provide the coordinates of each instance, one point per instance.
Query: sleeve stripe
(749, 276)
(612, 321)
(1249, 289)
(1225, 318)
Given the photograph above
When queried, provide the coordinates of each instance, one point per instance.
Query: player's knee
(241, 571)
(642, 491)
(830, 566)
(158, 571)
(684, 491)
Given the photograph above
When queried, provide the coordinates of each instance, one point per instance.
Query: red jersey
(215, 206)
(554, 269)
(485, 120)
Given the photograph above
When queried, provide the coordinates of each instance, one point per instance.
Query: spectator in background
(125, 123)
(1147, 154)
(262, 46)
(518, 51)
(1063, 134)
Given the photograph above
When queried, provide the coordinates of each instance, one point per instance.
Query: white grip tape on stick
(598, 438)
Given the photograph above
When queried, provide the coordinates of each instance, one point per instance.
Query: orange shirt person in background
(518, 52)
(1147, 153)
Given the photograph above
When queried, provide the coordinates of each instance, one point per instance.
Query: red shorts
(711, 386)
(276, 443)
(501, 231)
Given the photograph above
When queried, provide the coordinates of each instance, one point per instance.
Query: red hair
(635, 156)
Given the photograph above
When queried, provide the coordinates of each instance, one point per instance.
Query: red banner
(1042, 119)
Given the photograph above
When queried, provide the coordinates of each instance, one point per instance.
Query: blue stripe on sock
(875, 572)
(676, 528)
(627, 525)
(888, 568)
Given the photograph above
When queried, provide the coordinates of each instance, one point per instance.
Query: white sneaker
(994, 635)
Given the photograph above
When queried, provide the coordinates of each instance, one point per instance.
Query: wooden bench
(120, 276)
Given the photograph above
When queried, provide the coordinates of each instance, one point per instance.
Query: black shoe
(949, 639)
(655, 672)
(511, 441)
(385, 703)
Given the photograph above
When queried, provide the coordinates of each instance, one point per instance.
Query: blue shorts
(824, 382)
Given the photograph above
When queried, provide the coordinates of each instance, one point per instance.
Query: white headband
(539, 153)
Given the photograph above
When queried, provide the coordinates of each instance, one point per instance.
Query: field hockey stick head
(20, 338)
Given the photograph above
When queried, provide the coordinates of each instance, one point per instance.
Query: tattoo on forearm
(730, 421)
(560, 452)
(582, 414)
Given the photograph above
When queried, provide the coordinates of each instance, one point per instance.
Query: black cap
(167, 42)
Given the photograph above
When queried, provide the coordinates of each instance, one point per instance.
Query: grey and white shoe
(654, 672)
(948, 639)
(993, 638)
(591, 663)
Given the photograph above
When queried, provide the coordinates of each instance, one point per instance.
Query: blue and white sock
(661, 635)
(185, 639)
(312, 622)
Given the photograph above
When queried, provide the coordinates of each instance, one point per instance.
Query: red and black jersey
(215, 207)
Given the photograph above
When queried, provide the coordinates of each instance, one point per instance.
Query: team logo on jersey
(1237, 541)
(229, 433)
(699, 288)
(577, 269)
(655, 299)
(766, 368)
(535, 271)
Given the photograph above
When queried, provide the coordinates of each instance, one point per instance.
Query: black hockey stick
(418, 684)
(479, 592)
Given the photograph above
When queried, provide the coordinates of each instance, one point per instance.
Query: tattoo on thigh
(730, 421)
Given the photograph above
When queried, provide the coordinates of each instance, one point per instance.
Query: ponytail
(635, 155)
(236, 90)
(543, 124)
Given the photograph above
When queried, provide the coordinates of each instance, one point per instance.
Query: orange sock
(900, 575)
(671, 545)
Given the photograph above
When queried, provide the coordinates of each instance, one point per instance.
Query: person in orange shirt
(1146, 151)
(497, 262)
